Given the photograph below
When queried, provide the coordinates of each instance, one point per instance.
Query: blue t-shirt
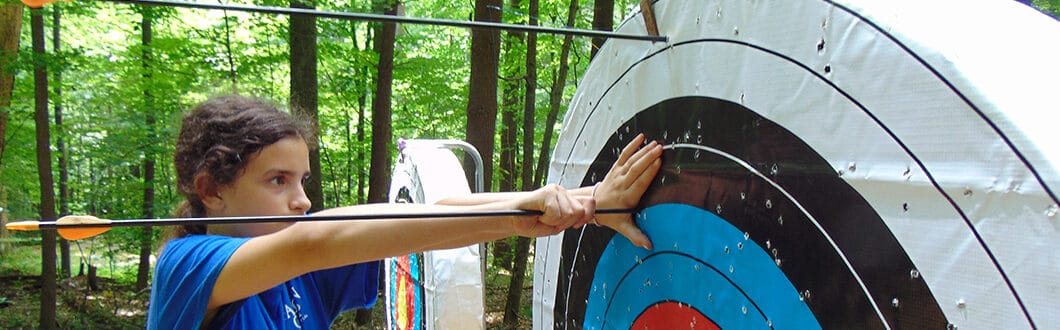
(187, 270)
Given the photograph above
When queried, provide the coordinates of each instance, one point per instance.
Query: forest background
(89, 116)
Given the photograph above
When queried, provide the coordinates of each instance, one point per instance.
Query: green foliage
(194, 54)
(112, 85)
(1050, 7)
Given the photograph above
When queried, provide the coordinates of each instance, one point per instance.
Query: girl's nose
(300, 203)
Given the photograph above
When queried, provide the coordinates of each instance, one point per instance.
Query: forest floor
(112, 305)
(116, 304)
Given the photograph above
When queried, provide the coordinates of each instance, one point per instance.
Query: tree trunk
(509, 108)
(44, 172)
(231, 57)
(143, 271)
(530, 103)
(379, 176)
(333, 179)
(346, 188)
(304, 88)
(361, 173)
(482, 99)
(361, 102)
(92, 279)
(379, 172)
(555, 96)
(604, 20)
(522, 244)
(509, 148)
(10, 29)
(60, 144)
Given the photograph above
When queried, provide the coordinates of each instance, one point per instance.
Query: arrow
(75, 227)
(394, 19)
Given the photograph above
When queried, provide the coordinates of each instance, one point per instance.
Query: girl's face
(272, 183)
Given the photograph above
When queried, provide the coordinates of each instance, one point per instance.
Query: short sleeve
(348, 287)
(184, 278)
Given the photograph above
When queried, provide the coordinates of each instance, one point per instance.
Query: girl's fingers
(625, 178)
(628, 229)
(643, 181)
(557, 207)
(628, 150)
(645, 167)
(564, 210)
(641, 159)
(589, 210)
(582, 211)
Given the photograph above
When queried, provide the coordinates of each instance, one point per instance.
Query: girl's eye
(305, 179)
(278, 180)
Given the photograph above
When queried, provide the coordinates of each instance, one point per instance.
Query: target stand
(438, 289)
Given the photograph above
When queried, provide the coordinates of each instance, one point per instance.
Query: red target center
(672, 315)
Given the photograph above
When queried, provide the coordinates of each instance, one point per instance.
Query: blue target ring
(721, 265)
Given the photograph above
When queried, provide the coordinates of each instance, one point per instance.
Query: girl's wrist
(593, 195)
(515, 222)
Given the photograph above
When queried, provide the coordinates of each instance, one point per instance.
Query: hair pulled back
(217, 137)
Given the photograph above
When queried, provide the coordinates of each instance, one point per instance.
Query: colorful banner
(441, 289)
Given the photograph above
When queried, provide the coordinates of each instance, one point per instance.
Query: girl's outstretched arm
(268, 260)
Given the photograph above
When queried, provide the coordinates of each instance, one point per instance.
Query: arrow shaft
(397, 19)
(300, 218)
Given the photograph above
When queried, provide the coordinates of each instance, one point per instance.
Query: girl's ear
(207, 190)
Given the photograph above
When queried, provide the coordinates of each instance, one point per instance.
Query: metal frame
(456, 144)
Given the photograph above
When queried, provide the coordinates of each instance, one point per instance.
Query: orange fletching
(74, 234)
(83, 232)
(36, 3)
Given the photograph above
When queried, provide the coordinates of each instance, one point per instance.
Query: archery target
(440, 289)
(836, 165)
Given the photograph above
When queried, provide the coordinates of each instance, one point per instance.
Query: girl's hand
(625, 183)
(561, 211)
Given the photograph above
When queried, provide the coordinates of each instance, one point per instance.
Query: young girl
(237, 156)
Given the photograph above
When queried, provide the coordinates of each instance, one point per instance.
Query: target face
(825, 167)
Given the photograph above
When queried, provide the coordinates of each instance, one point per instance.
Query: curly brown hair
(216, 138)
